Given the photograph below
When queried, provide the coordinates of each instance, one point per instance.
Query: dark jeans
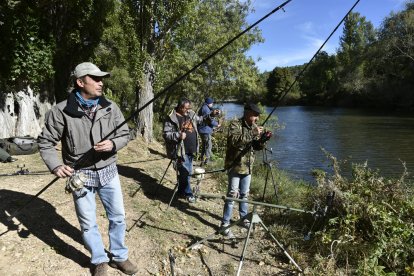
(206, 146)
(184, 171)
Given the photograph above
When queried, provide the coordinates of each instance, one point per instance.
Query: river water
(384, 141)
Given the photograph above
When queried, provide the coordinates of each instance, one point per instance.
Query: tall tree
(176, 35)
(278, 83)
(391, 61)
(358, 34)
(45, 39)
(319, 81)
(154, 23)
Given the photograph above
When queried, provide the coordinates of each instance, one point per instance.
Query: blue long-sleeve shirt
(206, 127)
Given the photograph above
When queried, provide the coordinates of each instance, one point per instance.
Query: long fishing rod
(23, 171)
(155, 98)
(307, 64)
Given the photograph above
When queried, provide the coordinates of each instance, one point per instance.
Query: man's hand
(215, 112)
(104, 146)
(257, 131)
(63, 171)
(182, 135)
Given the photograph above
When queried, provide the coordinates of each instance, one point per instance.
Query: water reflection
(358, 136)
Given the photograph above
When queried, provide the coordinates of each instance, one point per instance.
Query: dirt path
(44, 239)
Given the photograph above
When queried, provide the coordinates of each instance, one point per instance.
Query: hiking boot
(126, 267)
(100, 270)
(227, 233)
(190, 199)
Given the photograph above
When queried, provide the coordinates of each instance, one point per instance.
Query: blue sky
(292, 37)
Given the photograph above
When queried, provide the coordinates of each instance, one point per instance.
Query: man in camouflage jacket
(239, 161)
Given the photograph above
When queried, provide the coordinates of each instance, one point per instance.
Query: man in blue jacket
(205, 129)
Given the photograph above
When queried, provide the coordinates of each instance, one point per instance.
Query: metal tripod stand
(177, 174)
(162, 178)
(254, 219)
(176, 184)
(268, 164)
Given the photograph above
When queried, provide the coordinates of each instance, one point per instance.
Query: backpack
(20, 145)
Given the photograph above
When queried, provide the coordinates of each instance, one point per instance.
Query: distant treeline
(372, 68)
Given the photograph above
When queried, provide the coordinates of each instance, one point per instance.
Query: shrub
(370, 228)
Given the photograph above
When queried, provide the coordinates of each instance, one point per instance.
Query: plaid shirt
(102, 176)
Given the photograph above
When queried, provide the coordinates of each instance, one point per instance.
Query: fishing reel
(199, 173)
(259, 144)
(215, 112)
(76, 182)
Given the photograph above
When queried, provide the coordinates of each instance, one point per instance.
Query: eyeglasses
(185, 108)
(96, 78)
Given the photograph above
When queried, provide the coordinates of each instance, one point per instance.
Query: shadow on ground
(153, 190)
(40, 219)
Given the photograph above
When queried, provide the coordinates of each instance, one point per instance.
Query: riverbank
(44, 239)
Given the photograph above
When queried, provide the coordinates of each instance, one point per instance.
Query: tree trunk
(145, 94)
(22, 114)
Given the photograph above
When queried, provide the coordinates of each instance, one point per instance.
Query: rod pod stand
(254, 219)
(268, 164)
(162, 178)
(177, 173)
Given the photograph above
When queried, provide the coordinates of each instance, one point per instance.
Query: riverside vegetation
(368, 228)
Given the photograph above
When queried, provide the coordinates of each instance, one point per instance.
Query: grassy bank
(361, 225)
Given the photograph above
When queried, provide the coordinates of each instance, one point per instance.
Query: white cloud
(306, 27)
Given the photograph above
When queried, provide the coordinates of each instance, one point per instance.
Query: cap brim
(99, 74)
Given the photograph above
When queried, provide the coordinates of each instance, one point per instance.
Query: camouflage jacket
(239, 153)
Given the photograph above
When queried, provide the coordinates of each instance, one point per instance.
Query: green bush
(370, 229)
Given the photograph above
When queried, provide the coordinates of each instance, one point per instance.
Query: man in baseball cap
(85, 118)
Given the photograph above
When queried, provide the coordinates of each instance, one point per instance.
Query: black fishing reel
(260, 143)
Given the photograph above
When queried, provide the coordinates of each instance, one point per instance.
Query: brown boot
(100, 270)
(126, 267)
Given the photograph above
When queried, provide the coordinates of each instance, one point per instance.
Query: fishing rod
(307, 64)
(22, 171)
(153, 99)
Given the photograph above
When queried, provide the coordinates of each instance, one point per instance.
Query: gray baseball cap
(88, 68)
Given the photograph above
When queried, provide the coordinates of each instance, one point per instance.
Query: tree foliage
(44, 40)
(278, 83)
(146, 44)
(318, 84)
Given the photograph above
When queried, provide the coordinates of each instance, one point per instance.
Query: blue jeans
(206, 146)
(239, 186)
(184, 178)
(85, 205)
